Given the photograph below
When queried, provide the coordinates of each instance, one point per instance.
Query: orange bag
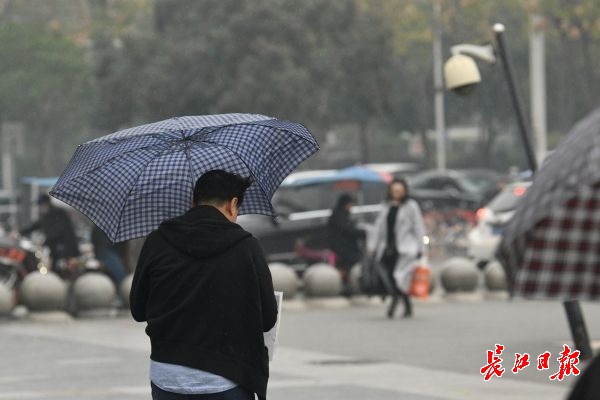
(420, 282)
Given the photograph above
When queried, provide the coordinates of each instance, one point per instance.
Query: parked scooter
(16, 261)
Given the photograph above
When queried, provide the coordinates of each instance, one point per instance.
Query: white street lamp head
(462, 74)
(485, 53)
(499, 28)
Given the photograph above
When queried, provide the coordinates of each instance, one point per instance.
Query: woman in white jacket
(397, 241)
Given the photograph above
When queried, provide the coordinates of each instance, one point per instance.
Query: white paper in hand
(271, 336)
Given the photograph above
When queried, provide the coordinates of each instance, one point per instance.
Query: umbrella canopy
(130, 181)
(551, 246)
(355, 173)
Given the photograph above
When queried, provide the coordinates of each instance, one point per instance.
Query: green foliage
(316, 61)
(44, 83)
(362, 68)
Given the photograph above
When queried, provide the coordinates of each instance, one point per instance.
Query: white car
(485, 237)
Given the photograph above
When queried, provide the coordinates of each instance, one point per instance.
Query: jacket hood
(202, 232)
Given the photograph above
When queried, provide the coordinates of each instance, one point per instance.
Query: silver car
(484, 238)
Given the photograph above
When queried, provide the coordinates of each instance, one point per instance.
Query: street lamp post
(462, 75)
(508, 71)
(464, 81)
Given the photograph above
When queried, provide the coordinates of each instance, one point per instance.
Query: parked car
(303, 211)
(484, 238)
(445, 190)
(486, 181)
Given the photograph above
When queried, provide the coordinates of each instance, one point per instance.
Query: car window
(480, 183)
(507, 199)
(288, 200)
(447, 183)
(291, 199)
(431, 183)
(462, 184)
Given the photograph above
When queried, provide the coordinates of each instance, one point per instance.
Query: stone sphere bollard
(495, 278)
(43, 292)
(284, 279)
(125, 289)
(93, 290)
(7, 300)
(459, 275)
(322, 280)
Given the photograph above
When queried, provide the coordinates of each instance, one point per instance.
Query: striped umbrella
(130, 181)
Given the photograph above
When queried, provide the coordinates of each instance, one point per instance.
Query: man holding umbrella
(204, 288)
(201, 283)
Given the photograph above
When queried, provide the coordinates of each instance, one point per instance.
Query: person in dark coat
(344, 238)
(58, 230)
(203, 287)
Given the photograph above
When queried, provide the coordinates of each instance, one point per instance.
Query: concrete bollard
(7, 300)
(43, 292)
(125, 289)
(284, 279)
(322, 280)
(494, 277)
(459, 275)
(93, 290)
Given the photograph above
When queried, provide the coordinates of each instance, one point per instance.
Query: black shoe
(407, 308)
(346, 290)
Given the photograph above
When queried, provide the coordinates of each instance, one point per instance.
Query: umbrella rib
(102, 139)
(189, 160)
(255, 123)
(129, 192)
(116, 157)
(284, 130)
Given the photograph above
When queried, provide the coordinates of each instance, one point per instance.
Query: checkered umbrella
(551, 247)
(130, 181)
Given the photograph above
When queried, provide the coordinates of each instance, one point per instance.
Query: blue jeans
(237, 393)
(113, 265)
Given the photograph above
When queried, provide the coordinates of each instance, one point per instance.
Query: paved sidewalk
(327, 351)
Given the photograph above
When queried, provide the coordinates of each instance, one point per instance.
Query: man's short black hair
(218, 186)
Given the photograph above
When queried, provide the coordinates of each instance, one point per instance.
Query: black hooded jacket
(205, 290)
